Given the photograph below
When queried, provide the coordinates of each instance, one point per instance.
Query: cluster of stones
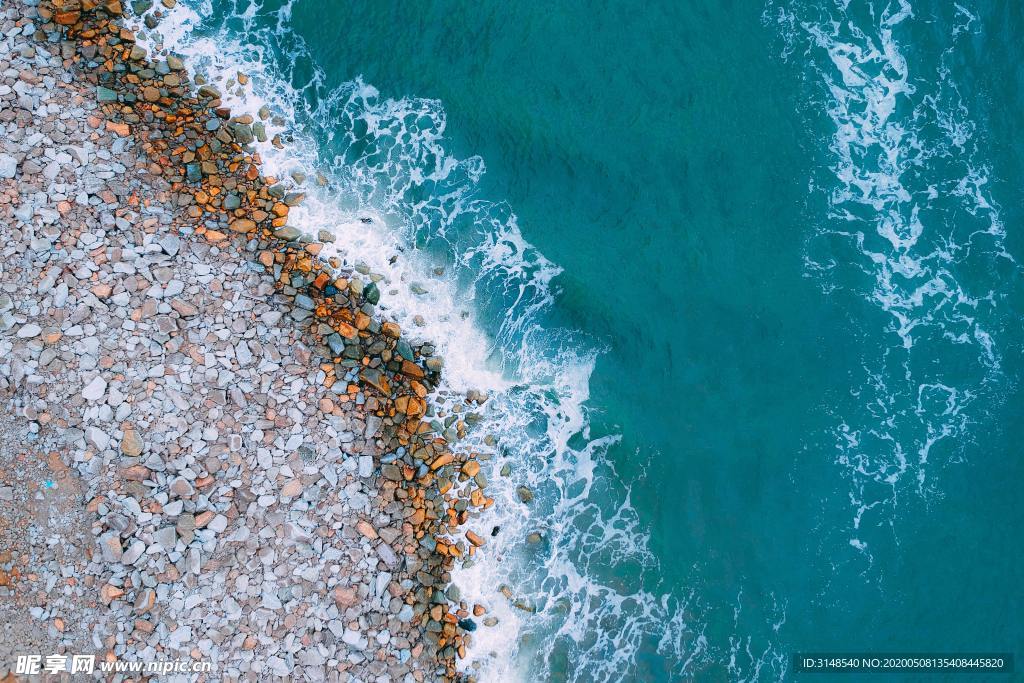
(178, 519)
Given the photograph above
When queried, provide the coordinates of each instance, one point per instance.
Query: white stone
(8, 166)
(95, 389)
(28, 331)
(133, 553)
(365, 465)
(98, 438)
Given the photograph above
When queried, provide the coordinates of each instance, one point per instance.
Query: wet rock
(288, 233)
(372, 293)
(525, 494)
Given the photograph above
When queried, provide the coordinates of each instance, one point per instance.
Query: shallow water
(743, 281)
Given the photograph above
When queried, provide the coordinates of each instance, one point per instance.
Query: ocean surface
(743, 281)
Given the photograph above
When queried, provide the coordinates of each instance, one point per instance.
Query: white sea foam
(588, 592)
(911, 228)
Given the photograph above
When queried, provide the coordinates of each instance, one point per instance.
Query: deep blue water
(751, 274)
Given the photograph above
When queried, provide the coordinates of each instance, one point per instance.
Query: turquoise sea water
(750, 277)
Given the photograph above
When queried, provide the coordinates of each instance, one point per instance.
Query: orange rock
(67, 18)
(474, 539)
(441, 461)
(121, 129)
(417, 407)
(109, 593)
(135, 473)
(366, 529)
(215, 236)
(471, 468)
(347, 331)
(145, 600)
(346, 596)
(245, 225)
(412, 370)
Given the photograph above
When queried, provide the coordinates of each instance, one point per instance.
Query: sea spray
(909, 227)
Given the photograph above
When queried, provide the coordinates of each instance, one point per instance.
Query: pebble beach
(214, 447)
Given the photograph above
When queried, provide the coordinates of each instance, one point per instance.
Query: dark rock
(372, 293)
(105, 94)
(336, 344)
(288, 233)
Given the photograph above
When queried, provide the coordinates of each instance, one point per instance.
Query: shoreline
(198, 155)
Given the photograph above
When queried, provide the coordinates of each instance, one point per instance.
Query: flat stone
(133, 553)
(131, 443)
(288, 233)
(366, 529)
(181, 487)
(218, 524)
(336, 343)
(366, 466)
(243, 225)
(8, 166)
(171, 244)
(29, 331)
(97, 437)
(372, 293)
(110, 544)
(166, 536)
(105, 94)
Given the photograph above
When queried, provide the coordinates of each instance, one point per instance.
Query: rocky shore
(214, 447)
